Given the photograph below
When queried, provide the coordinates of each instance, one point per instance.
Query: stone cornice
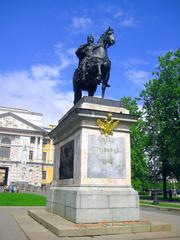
(20, 119)
(78, 117)
(18, 131)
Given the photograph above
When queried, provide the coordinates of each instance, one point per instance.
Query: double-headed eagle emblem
(108, 125)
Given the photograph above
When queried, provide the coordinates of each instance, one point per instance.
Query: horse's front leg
(105, 83)
(77, 93)
(103, 90)
(106, 79)
(107, 73)
(99, 73)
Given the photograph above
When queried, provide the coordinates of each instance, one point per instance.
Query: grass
(160, 197)
(22, 199)
(160, 204)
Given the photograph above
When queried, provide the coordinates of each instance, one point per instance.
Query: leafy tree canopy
(161, 106)
(139, 168)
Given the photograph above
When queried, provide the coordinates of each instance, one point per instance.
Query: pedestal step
(63, 228)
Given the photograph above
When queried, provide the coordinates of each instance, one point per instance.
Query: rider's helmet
(90, 39)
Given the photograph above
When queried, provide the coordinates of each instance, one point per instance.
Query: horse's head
(109, 36)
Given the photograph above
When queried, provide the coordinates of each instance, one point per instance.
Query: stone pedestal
(92, 175)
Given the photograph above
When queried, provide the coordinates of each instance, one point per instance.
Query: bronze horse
(97, 66)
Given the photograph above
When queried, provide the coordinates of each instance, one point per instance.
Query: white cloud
(137, 77)
(71, 51)
(65, 57)
(38, 89)
(128, 22)
(119, 13)
(81, 22)
(131, 62)
(158, 53)
(45, 71)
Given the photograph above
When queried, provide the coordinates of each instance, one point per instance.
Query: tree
(139, 168)
(161, 106)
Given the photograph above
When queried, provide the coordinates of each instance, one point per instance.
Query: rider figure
(83, 53)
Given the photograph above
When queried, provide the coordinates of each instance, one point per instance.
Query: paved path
(165, 216)
(9, 229)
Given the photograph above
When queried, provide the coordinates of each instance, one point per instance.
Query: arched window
(5, 150)
(5, 140)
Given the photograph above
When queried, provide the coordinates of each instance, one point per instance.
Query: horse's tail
(105, 81)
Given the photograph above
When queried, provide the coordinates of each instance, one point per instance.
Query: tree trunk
(164, 179)
(164, 187)
(164, 170)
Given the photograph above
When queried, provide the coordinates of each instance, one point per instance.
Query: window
(44, 156)
(38, 140)
(46, 141)
(5, 141)
(5, 150)
(44, 175)
(30, 154)
(32, 139)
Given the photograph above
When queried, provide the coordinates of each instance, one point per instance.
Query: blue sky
(38, 39)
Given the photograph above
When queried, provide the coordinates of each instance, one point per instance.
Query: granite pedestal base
(94, 204)
(92, 167)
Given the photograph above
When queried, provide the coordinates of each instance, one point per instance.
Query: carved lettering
(106, 157)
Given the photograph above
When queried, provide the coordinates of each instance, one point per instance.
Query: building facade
(47, 158)
(22, 157)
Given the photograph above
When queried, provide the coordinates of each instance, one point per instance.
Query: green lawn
(160, 204)
(160, 197)
(22, 199)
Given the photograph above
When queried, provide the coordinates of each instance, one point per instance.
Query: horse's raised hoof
(99, 82)
(107, 85)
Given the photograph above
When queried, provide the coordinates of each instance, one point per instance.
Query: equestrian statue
(94, 65)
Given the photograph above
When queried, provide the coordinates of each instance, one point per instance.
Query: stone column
(40, 148)
(35, 149)
(51, 150)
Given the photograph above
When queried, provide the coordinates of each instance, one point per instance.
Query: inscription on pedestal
(66, 161)
(106, 157)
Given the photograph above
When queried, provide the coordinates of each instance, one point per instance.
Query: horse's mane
(101, 39)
